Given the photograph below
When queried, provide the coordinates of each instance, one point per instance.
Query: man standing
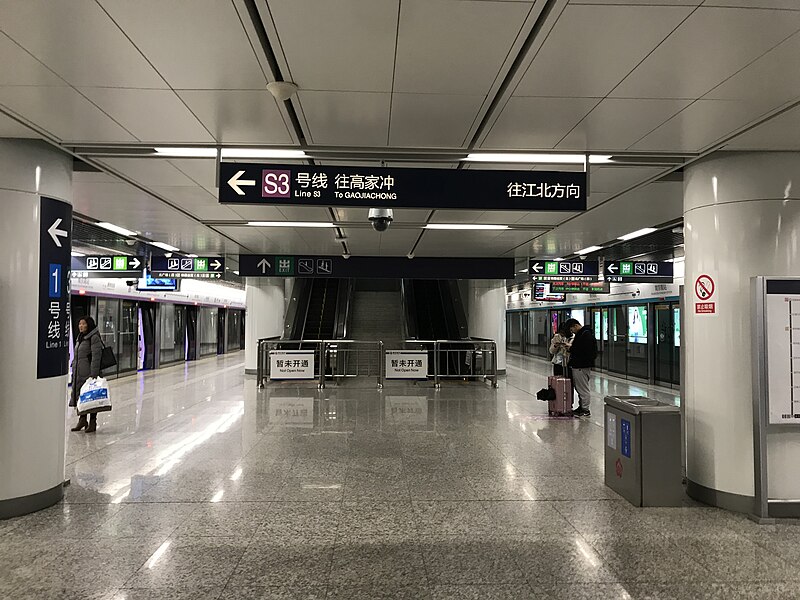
(582, 355)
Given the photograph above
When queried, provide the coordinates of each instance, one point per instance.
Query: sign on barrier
(406, 364)
(291, 364)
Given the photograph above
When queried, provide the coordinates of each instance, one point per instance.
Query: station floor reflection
(198, 485)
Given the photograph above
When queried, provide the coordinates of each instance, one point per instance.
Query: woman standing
(85, 364)
(559, 348)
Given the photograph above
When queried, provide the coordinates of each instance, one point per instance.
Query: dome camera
(381, 218)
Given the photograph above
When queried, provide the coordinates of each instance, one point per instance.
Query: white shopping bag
(94, 396)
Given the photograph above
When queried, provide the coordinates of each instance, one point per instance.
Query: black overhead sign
(247, 183)
(375, 267)
(203, 267)
(55, 229)
(579, 287)
(564, 270)
(107, 266)
(639, 272)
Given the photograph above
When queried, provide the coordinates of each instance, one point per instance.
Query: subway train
(153, 328)
(638, 329)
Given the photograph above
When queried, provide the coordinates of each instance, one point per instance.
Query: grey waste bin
(643, 450)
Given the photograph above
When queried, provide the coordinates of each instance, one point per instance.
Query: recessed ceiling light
(637, 233)
(116, 228)
(191, 256)
(465, 226)
(164, 246)
(556, 159)
(524, 271)
(289, 224)
(230, 153)
(680, 259)
(77, 253)
(589, 250)
(236, 272)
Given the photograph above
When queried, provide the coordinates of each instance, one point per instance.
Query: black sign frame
(564, 270)
(454, 189)
(187, 267)
(639, 271)
(95, 266)
(580, 287)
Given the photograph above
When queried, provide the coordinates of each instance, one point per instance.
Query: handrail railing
(475, 358)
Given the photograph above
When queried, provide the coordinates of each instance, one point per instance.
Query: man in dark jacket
(582, 354)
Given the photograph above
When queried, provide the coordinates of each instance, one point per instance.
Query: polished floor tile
(197, 485)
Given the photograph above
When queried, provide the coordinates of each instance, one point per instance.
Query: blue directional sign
(638, 272)
(563, 270)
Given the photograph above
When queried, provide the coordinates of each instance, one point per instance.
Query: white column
(487, 314)
(742, 218)
(32, 410)
(264, 318)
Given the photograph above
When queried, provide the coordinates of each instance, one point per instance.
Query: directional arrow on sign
(56, 233)
(216, 264)
(235, 182)
(613, 268)
(134, 263)
(537, 267)
(264, 265)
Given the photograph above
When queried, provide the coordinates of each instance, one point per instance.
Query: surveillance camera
(345, 256)
(130, 242)
(131, 282)
(282, 90)
(381, 218)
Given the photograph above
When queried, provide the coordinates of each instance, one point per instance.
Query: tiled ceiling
(414, 83)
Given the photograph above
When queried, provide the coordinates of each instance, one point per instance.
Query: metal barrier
(348, 359)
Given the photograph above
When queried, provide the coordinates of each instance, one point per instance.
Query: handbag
(94, 396)
(107, 358)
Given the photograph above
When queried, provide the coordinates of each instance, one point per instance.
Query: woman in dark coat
(85, 364)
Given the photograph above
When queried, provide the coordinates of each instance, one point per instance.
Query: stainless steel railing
(339, 360)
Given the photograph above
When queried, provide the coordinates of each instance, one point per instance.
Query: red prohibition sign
(704, 287)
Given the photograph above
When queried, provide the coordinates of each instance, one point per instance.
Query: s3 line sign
(310, 185)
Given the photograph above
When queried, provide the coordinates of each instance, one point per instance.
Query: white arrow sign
(537, 267)
(56, 233)
(134, 263)
(235, 182)
(216, 264)
(613, 268)
(264, 265)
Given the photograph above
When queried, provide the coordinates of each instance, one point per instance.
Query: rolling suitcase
(562, 405)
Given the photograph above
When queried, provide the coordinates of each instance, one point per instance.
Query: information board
(406, 364)
(55, 233)
(469, 189)
(183, 267)
(579, 287)
(782, 306)
(291, 364)
(107, 266)
(563, 270)
(638, 272)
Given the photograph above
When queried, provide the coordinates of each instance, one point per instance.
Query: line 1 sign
(312, 185)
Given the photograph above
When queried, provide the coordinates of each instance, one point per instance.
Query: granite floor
(197, 485)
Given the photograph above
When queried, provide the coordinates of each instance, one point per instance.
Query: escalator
(319, 309)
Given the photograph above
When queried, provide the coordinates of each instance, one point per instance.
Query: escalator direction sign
(563, 270)
(468, 189)
(638, 272)
(107, 266)
(185, 267)
(376, 267)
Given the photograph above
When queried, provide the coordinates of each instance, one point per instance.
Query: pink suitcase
(562, 405)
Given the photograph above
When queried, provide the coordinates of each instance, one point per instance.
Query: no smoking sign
(704, 290)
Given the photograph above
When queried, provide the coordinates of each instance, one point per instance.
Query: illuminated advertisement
(637, 324)
(676, 318)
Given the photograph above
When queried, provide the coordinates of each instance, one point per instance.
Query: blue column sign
(625, 430)
(55, 244)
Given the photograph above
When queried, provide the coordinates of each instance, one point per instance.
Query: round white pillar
(265, 313)
(742, 218)
(32, 409)
(487, 314)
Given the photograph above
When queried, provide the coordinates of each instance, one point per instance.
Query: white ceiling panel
(347, 118)
(305, 213)
(345, 45)
(151, 115)
(250, 237)
(710, 46)
(401, 215)
(422, 165)
(550, 218)
(766, 77)
(9, 128)
(457, 216)
(481, 243)
(366, 242)
(702, 124)
(616, 123)
(779, 133)
(641, 2)
(197, 44)
(198, 202)
(484, 166)
(77, 40)
(202, 171)
(537, 122)
(258, 213)
(149, 172)
(612, 180)
(782, 4)
(627, 35)
(238, 116)
(454, 46)
(421, 120)
(596, 198)
(64, 113)
(18, 67)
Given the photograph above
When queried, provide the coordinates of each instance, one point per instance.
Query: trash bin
(643, 450)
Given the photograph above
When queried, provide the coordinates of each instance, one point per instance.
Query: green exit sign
(626, 268)
(551, 268)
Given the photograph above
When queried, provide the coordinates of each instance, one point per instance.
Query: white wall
(486, 312)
